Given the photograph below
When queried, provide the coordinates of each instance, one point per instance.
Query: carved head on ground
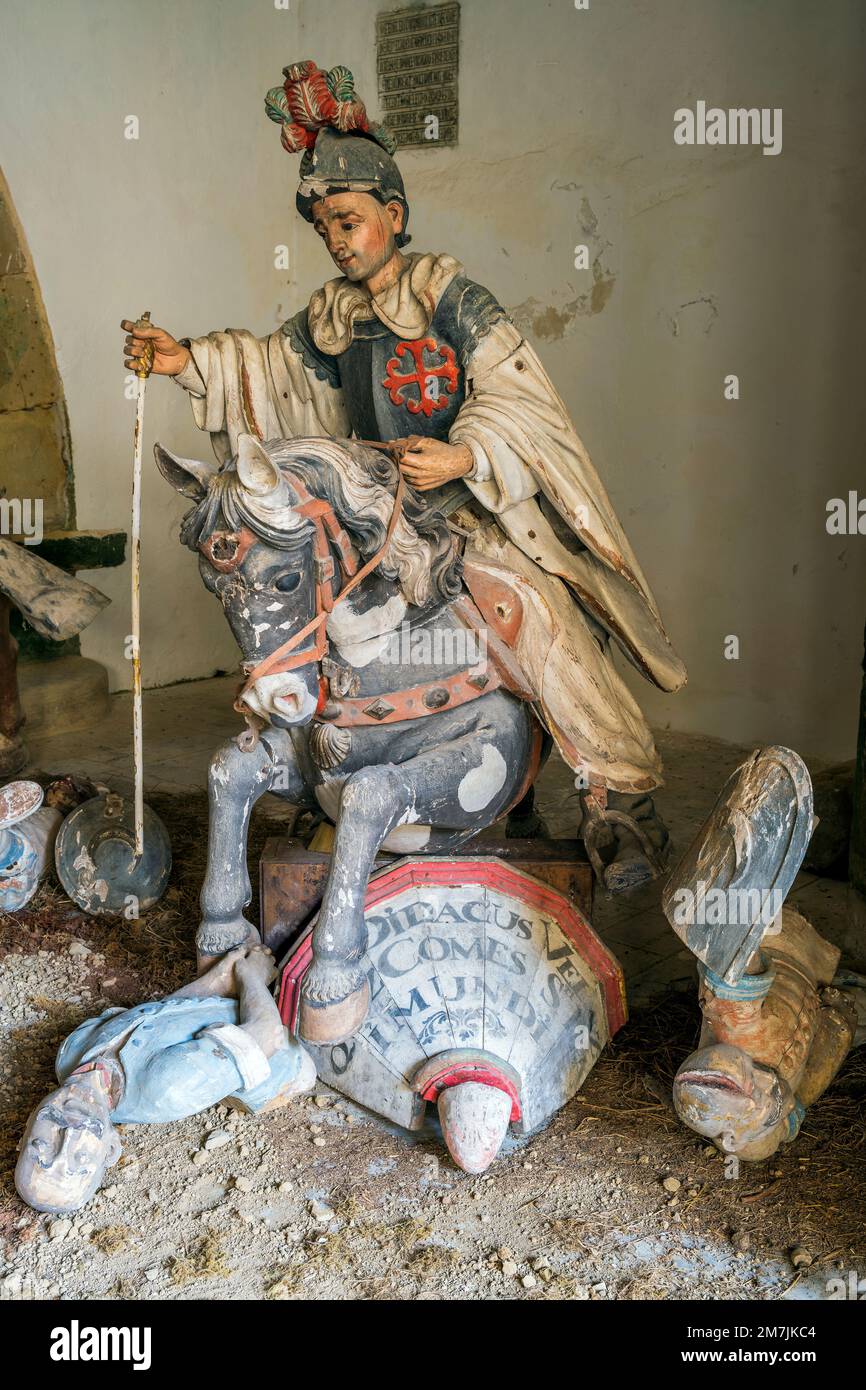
(67, 1146)
(722, 1093)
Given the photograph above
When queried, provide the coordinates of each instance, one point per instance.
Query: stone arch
(35, 449)
(54, 685)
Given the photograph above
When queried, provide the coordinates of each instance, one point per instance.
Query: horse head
(279, 529)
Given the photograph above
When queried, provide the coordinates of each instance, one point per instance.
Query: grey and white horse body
(424, 783)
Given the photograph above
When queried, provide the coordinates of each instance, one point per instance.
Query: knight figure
(403, 348)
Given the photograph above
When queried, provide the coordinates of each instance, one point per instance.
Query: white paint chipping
(481, 784)
(403, 839)
(347, 626)
(359, 654)
(219, 770)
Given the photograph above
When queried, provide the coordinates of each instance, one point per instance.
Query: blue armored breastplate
(395, 386)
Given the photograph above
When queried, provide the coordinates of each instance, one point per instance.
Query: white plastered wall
(707, 262)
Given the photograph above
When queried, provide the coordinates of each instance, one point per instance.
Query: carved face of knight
(358, 231)
(67, 1146)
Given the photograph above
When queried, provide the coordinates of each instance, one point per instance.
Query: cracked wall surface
(184, 221)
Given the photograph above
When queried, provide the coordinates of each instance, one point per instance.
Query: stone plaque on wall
(417, 62)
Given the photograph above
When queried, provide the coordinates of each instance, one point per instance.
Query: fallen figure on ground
(770, 1047)
(779, 1017)
(217, 1039)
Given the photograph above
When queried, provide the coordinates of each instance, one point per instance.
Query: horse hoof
(334, 1021)
(214, 942)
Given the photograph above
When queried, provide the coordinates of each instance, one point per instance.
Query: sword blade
(137, 745)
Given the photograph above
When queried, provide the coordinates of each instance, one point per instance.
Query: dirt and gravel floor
(614, 1200)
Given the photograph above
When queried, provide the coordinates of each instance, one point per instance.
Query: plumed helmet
(322, 117)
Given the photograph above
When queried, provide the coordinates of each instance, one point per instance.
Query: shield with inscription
(490, 996)
(729, 887)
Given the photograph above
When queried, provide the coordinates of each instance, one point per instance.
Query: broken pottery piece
(27, 833)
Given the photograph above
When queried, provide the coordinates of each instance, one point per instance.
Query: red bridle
(327, 529)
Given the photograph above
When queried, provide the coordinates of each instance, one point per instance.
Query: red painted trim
(490, 873)
(483, 1073)
(289, 999)
(408, 703)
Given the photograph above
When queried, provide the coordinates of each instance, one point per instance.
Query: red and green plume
(311, 100)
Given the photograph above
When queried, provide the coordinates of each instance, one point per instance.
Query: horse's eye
(288, 582)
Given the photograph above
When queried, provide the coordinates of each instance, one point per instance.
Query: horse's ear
(256, 470)
(189, 476)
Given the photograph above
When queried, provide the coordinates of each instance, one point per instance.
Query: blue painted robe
(179, 1056)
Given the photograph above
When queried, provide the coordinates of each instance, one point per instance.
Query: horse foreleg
(335, 993)
(236, 780)
(459, 785)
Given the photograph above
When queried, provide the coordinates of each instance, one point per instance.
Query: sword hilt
(146, 367)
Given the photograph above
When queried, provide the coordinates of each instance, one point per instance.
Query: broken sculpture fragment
(778, 1017)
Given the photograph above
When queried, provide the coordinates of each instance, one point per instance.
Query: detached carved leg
(13, 754)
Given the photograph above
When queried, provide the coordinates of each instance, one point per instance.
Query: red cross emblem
(394, 383)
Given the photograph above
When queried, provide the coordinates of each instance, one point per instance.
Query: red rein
(327, 527)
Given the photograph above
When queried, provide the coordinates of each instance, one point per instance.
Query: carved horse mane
(359, 484)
